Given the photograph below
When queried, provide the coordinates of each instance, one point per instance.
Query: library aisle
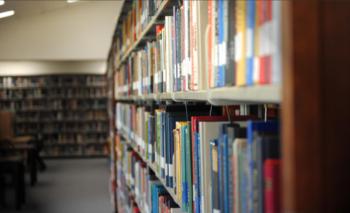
(70, 186)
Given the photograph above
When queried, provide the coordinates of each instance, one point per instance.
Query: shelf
(251, 94)
(144, 32)
(218, 96)
(75, 144)
(54, 110)
(152, 167)
(74, 156)
(54, 98)
(190, 96)
(62, 121)
(52, 87)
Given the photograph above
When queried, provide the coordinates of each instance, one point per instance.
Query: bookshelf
(312, 134)
(69, 112)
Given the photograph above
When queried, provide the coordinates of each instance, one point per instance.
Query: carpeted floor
(70, 186)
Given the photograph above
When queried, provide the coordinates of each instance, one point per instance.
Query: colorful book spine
(240, 41)
(250, 21)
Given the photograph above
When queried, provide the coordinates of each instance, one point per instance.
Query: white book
(208, 130)
(202, 23)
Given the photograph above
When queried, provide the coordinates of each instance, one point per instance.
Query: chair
(12, 159)
(19, 144)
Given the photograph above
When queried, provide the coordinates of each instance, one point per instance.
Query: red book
(264, 21)
(272, 176)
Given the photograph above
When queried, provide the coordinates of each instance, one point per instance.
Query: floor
(70, 186)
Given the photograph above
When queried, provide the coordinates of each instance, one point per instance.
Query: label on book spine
(222, 54)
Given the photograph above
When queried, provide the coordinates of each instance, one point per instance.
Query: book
(208, 130)
(215, 195)
(240, 41)
(250, 39)
(272, 173)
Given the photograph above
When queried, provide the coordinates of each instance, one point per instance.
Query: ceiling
(57, 30)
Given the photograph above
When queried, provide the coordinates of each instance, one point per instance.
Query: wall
(20, 68)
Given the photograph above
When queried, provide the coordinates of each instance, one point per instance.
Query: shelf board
(64, 87)
(58, 110)
(219, 96)
(62, 121)
(190, 96)
(251, 94)
(144, 32)
(153, 168)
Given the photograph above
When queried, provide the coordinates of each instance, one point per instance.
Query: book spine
(272, 169)
(240, 41)
(250, 20)
(214, 176)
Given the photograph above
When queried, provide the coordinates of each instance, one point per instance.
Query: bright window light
(2, 2)
(7, 13)
(72, 1)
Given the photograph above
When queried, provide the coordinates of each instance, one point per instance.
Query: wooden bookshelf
(59, 106)
(313, 96)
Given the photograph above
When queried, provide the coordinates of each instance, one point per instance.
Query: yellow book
(240, 41)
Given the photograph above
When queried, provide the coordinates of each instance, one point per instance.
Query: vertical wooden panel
(335, 64)
(302, 153)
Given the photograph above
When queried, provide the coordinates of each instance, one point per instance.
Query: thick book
(208, 130)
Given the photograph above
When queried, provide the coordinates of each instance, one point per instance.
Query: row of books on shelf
(134, 176)
(61, 116)
(206, 44)
(213, 162)
(64, 92)
(134, 23)
(52, 107)
(51, 81)
(92, 150)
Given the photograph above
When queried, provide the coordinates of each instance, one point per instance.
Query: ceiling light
(2, 2)
(72, 1)
(7, 13)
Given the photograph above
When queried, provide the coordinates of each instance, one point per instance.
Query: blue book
(173, 117)
(157, 190)
(254, 129)
(221, 45)
(250, 17)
